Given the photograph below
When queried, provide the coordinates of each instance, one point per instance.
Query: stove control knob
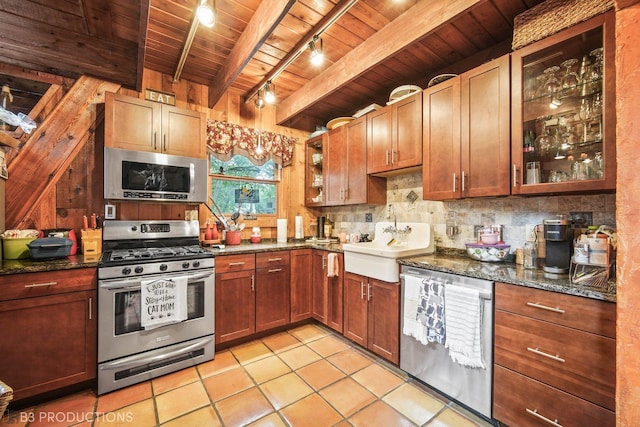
(139, 269)
(185, 265)
(163, 267)
(126, 271)
(196, 264)
(134, 228)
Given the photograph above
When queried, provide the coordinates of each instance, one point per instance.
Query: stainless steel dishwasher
(432, 362)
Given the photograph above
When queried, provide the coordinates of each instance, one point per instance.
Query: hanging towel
(333, 269)
(430, 311)
(411, 327)
(163, 302)
(463, 318)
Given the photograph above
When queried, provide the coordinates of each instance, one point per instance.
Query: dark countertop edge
(509, 273)
(273, 246)
(19, 266)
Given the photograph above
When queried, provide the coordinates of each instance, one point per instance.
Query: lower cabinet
(327, 291)
(49, 330)
(272, 290)
(372, 315)
(300, 286)
(554, 359)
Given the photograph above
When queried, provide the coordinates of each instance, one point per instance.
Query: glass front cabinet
(314, 174)
(563, 111)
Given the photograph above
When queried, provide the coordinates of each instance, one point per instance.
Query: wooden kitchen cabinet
(327, 305)
(300, 290)
(49, 330)
(314, 179)
(467, 134)
(394, 136)
(137, 124)
(272, 289)
(563, 132)
(235, 304)
(347, 182)
(372, 315)
(554, 357)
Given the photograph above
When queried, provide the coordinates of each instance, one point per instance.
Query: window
(240, 185)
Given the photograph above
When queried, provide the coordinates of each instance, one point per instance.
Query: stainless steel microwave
(145, 176)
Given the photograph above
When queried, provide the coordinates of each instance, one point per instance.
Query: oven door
(120, 332)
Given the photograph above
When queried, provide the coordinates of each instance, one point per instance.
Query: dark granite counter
(509, 273)
(247, 248)
(10, 266)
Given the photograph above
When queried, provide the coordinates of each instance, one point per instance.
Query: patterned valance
(226, 140)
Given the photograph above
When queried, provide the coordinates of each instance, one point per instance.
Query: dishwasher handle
(483, 294)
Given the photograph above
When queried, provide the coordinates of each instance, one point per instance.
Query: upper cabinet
(563, 111)
(467, 134)
(136, 124)
(394, 136)
(314, 172)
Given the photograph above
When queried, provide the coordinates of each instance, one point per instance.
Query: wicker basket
(6, 395)
(553, 16)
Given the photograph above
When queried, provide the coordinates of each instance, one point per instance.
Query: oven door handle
(133, 285)
(199, 277)
(132, 361)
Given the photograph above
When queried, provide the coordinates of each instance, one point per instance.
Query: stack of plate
(338, 121)
(402, 92)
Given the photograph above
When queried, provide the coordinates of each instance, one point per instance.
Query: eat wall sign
(161, 97)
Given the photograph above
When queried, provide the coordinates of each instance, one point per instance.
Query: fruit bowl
(492, 253)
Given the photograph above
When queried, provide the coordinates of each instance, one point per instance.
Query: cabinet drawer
(28, 285)
(577, 362)
(241, 262)
(598, 317)
(268, 259)
(516, 398)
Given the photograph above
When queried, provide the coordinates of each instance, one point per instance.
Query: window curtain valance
(226, 140)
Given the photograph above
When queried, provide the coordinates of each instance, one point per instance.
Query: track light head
(269, 92)
(317, 56)
(206, 13)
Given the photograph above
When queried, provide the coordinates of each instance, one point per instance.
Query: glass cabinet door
(314, 176)
(563, 111)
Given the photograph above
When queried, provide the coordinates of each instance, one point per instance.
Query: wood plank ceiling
(116, 39)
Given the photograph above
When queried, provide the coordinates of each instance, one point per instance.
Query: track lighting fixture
(206, 13)
(317, 56)
(260, 100)
(269, 92)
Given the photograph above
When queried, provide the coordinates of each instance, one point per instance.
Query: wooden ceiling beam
(267, 17)
(422, 19)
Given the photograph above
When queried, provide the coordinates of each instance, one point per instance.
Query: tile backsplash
(518, 215)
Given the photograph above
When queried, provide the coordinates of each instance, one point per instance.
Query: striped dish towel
(463, 319)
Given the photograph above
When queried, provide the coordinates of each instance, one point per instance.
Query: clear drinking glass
(529, 255)
(544, 141)
(570, 81)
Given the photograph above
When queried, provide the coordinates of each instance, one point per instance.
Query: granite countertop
(27, 265)
(509, 273)
(247, 248)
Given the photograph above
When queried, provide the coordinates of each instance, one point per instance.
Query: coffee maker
(558, 246)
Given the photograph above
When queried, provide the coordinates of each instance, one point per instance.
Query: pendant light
(269, 92)
(317, 56)
(206, 13)
(259, 104)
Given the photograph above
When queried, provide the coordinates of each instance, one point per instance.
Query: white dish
(338, 121)
(365, 110)
(403, 91)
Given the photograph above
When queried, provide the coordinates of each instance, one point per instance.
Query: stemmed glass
(544, 141)
(570, 81)
(552, 85)
(585, 113)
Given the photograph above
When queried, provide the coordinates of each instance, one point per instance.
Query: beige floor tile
(350, 361)
(308, 333)
(328, 345)
(124, 397)
(243, 408)
(285, 390)
(281, 342)
(141, 414)
(65, 411)
(267, 369)
(271, 420)
(299, 357)
(227, 383)
(377, 379)
(413, 403)
(250, 352)
(205, 417)
(451, 418)
(347, 396)
(174, 380)
(379, 414)
(223, 361)
(181, 400)
(320, 374)
(312, 411)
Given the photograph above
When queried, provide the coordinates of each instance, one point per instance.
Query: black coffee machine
(558, 246)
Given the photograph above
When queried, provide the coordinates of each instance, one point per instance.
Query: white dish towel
(463, 320)
(411, 327)
(163, 302)
(333, 268)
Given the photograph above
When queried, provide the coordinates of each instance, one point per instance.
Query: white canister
(281, 230)
(299, 233)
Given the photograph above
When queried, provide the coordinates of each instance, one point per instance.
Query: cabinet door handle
(275, 259)
(462, 183)
(346, 194)
(253, 282)
(90, 308)
(545, 307)
(543, 418)
(368, 292)
(323, 261)
(274, 270)
(393, 157)
(164, 143)
(39, 285)
(233, 264)
(515, 175)
(361, 290)
(557, 357)
(386, 157)
(155, 141)
(454, 182)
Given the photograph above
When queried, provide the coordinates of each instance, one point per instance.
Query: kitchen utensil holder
(91, 241)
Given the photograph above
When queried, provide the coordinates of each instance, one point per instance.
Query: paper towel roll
(299, 230)
(282, 230)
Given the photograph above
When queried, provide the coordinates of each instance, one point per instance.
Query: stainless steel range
(155, 301)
